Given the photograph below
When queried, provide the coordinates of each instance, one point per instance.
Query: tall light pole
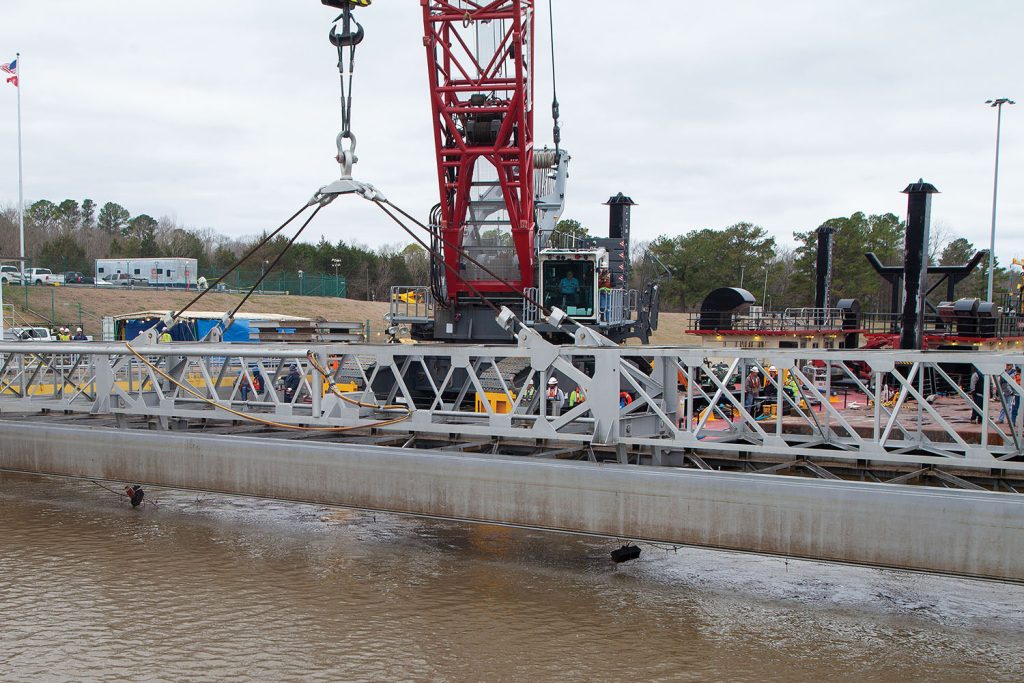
(337, 288)
(998, 104)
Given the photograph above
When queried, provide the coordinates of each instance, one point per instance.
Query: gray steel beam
(951, 531)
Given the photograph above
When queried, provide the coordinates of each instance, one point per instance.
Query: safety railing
(923, 408)
(613, 306)
(410, 305)
(789, 320)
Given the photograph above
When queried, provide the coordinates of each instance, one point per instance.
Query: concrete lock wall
(958, 532)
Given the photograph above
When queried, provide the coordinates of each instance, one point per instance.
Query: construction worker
(555, 398)
(569, 287)
(165, 336)
(79, 335)
(604, 289)
(529, 391)
(752, 389)
(977, 393)
(576, 397)
(291, 382)
(791, 387)
(65, 334)
(135, 494)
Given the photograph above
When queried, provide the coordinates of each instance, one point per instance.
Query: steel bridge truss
(905, 409)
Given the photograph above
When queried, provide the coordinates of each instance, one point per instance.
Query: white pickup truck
(43, 276)
(28, 334)
(10, 275)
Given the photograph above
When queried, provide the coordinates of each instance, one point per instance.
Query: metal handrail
(410, 305)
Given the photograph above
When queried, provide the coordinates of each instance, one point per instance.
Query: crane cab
(571, 280)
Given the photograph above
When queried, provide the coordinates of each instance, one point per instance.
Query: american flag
(11, 69)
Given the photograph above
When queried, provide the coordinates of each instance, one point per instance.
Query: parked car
(43, 276)
(28, 334)
(73, 277)
(10, 275)
(127, 280)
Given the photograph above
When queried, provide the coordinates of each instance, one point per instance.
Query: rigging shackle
(346, 154)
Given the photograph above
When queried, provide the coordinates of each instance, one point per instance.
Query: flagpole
(21, 191)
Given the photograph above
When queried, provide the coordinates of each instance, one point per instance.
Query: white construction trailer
(157, 272)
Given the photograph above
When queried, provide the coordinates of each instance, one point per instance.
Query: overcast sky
(223, 114)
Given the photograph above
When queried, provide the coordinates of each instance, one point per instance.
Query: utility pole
(337, 285)
(998, 104)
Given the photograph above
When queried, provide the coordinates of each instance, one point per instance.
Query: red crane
(480, 64)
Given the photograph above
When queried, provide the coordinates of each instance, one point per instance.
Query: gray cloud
(784, 114)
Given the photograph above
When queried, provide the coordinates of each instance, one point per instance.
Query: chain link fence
(295, 283)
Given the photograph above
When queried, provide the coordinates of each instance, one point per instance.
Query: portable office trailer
(159, 272)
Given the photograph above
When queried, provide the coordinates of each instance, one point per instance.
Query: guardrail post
(604, 403)
(103, 370)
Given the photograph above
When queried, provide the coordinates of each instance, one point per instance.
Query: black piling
(823, 267)
(915, 263)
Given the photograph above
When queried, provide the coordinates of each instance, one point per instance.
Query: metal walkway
(413, 428)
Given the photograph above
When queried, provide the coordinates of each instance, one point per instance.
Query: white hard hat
(78, 329)
(552, 381)
(772, 368)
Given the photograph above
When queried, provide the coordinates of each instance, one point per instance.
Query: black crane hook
(347, 38)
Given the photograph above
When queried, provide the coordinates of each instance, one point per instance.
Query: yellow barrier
(500, 403)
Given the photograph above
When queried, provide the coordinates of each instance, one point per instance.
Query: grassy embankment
(69, 305)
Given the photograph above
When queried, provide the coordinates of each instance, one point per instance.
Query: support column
(823, 268)
(915, 263)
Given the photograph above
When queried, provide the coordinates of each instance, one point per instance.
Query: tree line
(784, 277)
(71, 235)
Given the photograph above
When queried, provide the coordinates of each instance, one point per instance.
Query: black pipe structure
(915, 263)
(950, 275)
(823, 268)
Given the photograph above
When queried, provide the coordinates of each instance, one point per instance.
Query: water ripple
(207, 587)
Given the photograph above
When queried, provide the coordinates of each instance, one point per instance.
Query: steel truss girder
(666, 416)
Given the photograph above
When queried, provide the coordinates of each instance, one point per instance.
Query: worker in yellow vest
(165, 336)
(576, 397)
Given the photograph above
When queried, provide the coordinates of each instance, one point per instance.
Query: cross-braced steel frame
(902, 408)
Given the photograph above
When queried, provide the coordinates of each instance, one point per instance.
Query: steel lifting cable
(465, 255)
(242, 260)
(259, 420)
(556, 131)
(402, 225)
(277, 259)
(346, 42)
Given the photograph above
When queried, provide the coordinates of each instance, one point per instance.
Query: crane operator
(569, 286)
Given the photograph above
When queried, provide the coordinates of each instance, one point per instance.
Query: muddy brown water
(206, 587)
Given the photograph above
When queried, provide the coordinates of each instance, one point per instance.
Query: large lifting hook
(345, 40)
(345, 35)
